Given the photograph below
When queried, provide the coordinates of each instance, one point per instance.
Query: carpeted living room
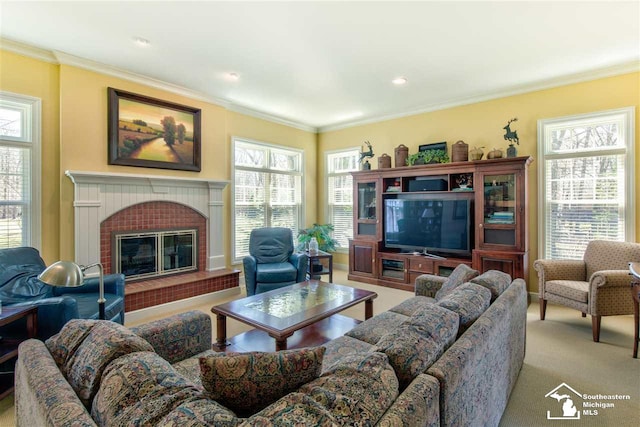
(319, 213)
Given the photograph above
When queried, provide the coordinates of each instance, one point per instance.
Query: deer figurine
(365, 154)
(509, 135)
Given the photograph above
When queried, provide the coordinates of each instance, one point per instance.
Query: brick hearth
(168, 289)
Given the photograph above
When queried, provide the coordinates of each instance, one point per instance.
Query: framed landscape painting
(152, 133)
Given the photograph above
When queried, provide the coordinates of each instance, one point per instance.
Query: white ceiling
(329, 64)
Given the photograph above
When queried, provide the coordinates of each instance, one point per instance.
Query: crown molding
(58, 57)
(616, 70)
(27, 50)
(62, 58)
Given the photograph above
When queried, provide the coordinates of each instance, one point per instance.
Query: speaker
(428, 185)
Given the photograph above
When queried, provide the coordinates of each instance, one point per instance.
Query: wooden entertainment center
(497, 227)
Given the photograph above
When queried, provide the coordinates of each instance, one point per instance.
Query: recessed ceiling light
(399, 81)
(141, 42)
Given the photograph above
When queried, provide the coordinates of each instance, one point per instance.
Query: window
(19, 170)
(340, 194)
(586, 178)
(267, 190)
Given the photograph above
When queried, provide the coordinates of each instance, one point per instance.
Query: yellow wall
(27, 76)
(481, 124)
(75, 138)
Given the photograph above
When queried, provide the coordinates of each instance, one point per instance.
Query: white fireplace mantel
(98, 195)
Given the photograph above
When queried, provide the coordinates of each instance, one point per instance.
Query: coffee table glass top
(296, 300)
(293, 306)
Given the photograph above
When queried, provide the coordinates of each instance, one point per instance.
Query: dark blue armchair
(19, 286)
(272, 263)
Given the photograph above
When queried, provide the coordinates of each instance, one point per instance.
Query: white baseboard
(158, 310)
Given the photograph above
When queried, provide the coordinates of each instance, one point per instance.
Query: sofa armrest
(113, 284)
(609, 293)
(250, 264)
(555, 269)
(42, 394)
(300, 261)
(53, 314)
(417, 405)
(178, 337)
(428, 284)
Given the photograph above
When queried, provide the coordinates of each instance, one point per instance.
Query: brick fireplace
(106, 203)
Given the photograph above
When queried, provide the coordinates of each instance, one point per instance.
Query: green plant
(322, 233)
(428, 156)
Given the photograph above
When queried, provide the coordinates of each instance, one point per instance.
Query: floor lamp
(70, 275)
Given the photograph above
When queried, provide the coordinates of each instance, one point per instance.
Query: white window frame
(329, 174)
(301, 203)
(626, 117)
(30, 109)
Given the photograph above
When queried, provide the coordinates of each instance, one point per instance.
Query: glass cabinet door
(367, 209)
(499, 201)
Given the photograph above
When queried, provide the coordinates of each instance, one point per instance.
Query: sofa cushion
(494, 280)
(340, 347)
(105, 342)
(413, 304)
(356, 391)
(142, 388)
(469, 301)
(373, 329)
(571, 289)
(276, 272)
(294, 409)
(203, 412)
(417, 343)
(247, 382)
(65, 343)
(461, 274)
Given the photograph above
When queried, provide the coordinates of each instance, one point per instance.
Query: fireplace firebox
(147, 254)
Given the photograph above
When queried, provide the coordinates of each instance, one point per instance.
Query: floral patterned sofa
(450, 358)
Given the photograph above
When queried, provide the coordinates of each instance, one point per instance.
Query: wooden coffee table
(282, 312)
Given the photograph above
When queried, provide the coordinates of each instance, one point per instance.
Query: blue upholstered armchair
(19, 285)
(271, 262)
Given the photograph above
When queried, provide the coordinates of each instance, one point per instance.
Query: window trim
(627, 115)
(327, 174)
(302, 213)
(31, 108)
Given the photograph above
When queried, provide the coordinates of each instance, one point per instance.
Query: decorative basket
(384, 161)
(401, 152)
(459, 152)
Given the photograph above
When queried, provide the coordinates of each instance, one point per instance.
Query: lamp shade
(63, 273)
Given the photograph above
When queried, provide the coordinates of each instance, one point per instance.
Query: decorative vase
(511, 151)
(366, 165)
(476, 153)
(313, 246)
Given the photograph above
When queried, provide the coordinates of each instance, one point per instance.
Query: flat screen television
(439, 225)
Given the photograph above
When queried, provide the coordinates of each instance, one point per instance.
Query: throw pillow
(461, 274)
(494, 280)
(248, 382)
(65, 343)
(105, 342)
(469, 301)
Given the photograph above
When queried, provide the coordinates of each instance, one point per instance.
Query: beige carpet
(559, 350)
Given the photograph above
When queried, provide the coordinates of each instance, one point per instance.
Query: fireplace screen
(155, 253)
